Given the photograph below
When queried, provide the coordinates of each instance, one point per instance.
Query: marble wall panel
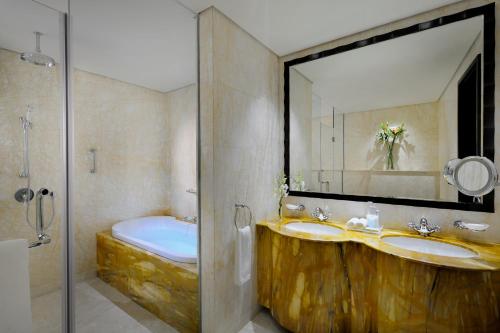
(241, 156)
(128, 127)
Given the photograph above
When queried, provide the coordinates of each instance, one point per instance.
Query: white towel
(243, 255)
(15, 302)
(356, 223)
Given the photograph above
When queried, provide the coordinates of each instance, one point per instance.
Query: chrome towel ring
(238, 207)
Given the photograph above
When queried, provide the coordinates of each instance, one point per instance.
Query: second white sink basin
(429, 246)
(313, 228)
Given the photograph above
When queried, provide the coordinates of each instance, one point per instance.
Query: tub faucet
(423, 228)
(190, 219)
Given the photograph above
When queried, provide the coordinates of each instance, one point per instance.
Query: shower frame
(68, 154)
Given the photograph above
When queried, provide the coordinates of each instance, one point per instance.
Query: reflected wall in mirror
(380, 118)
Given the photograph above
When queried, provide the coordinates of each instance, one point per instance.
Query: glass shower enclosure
(33, 166)
(98, 126)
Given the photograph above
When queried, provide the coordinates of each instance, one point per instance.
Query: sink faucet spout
(423, 228)
(319, 214)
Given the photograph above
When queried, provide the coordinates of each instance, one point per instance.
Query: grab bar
(93, 152)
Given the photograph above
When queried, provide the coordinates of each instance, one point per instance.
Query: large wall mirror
(378, 119)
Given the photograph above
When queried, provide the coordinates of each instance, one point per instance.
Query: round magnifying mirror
(474, 175)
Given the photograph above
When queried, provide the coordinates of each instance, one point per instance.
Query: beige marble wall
(241, 155)
(417, 151)
(364, 170)
(415, 156)
(398, 216)
(21, 84)
(146, 157)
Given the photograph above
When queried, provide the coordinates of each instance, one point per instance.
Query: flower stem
(280, 207)
(390, 160)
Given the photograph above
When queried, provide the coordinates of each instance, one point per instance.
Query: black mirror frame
(488, 12)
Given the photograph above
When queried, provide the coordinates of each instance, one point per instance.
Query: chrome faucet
(319, 214)
(424, 229)
(190, 219)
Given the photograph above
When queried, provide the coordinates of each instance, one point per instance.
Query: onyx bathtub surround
(166, 288)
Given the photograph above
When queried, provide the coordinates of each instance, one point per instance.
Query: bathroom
(235, 166)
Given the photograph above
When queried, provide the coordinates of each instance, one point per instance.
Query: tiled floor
(262, 323)
(99, 308)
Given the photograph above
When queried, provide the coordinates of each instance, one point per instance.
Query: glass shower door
(31, 166)
(134, 89)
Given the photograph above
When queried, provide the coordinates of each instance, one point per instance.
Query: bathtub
(163, 235)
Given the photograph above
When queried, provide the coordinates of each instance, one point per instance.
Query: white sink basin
(429, 246)
(313, 228)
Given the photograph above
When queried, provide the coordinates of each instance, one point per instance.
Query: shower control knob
(21, 195)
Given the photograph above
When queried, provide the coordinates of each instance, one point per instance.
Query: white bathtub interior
(163, 235)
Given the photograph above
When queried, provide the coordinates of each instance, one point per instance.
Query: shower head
(37, 57)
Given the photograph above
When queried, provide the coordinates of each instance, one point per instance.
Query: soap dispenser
(372, 216)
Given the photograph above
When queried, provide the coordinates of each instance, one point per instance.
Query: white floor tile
(263, 323)
(99, 308)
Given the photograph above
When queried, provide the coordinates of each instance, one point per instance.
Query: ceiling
(150, 43)
(286, 26)
(408, 70)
